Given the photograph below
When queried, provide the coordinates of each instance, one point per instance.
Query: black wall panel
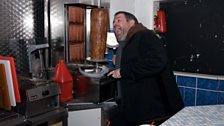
(195, 35)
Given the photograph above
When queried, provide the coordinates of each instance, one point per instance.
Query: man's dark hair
(127, 15)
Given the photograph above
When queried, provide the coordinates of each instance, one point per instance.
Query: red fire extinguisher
(160, 21)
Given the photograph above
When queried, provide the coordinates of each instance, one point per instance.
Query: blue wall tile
(221, 85)
(186, 81)
(221, 98)
(189, 97)
(207, 84)
(181, 89)
(206, 97)
(207, 92)
(109, 56)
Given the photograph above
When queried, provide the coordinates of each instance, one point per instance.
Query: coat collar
(136, 28)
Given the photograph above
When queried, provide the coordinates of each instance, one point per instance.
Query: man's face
(121, 26)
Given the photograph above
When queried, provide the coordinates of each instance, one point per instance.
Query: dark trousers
(117, 118)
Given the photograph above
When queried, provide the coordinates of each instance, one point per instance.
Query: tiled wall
(109, 56)
(201, 90)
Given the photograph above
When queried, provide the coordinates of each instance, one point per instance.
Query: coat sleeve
(150, 57)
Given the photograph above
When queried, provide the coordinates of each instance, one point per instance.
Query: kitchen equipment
(82, 84)
(85, 48)
(37, 96)
(9, 81)
(36, 63)
(94, 90)
(4, 92)
(14, 77)
(97, 71)
(97, 22)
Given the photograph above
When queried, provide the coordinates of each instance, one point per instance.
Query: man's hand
(115, 73)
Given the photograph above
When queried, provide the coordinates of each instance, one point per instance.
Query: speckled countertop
(210, 115)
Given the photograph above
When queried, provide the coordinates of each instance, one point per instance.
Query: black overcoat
(149, 89)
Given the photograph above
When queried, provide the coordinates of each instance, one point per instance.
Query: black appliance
(37, 97)
(95, 90)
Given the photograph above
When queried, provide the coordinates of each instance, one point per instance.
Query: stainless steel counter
(210, 115)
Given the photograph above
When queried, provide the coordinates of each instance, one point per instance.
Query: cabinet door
(86, 117)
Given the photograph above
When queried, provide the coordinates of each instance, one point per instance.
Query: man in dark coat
(148, 87)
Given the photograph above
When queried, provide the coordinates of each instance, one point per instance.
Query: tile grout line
(201, 89)
(196, 90)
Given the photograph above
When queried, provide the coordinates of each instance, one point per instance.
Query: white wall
(120, 5)
(144, 10)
